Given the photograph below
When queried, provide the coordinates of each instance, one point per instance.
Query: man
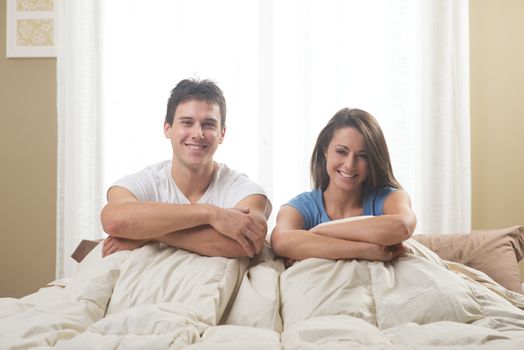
(189, 202)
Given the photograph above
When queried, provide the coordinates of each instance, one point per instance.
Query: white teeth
(195, 146)
(347, 175)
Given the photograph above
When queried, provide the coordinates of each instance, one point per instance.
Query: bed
(159, 297)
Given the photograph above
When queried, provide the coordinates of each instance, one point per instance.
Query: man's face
(195, 134)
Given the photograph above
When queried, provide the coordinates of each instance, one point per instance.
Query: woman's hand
(116, 244)
(377, 252)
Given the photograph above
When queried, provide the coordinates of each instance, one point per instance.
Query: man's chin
(197, 164)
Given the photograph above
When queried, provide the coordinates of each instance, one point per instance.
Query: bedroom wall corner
(497, 92)
(28, 135)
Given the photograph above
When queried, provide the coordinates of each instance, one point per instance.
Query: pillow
(156, 274)
(494, 252)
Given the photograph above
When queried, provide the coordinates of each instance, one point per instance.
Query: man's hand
(116, 244)
(237, 224)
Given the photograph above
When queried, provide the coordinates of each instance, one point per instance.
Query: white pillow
(159, 274)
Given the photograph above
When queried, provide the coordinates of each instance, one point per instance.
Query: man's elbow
(112, 222)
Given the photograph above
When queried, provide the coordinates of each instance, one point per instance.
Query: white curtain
(79, 188)
(285, 67)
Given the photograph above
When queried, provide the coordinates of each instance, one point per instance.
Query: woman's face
(347, 159)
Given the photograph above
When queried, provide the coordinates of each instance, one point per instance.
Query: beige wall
(28, 143)
(497, 113)
(28, 171)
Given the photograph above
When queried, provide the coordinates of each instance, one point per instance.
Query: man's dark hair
(200, 90)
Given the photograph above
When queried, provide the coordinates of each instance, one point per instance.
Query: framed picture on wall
(31, 28)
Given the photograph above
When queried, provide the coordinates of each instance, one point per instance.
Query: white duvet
(163, 298)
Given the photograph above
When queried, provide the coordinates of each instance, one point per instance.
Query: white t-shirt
(156, 184)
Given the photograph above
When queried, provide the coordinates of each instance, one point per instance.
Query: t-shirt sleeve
(139, 184)
(307, 207)
(241, 188)
(374, 202)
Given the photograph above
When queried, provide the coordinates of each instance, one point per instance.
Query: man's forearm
(203, 240)
(151, 220)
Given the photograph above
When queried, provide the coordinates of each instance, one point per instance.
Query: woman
(353, 177)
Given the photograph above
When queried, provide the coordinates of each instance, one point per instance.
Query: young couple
(192, 202)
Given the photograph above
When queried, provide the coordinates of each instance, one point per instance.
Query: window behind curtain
(286, 67)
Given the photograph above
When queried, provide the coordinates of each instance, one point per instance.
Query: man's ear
(222, 134)
(167, 130)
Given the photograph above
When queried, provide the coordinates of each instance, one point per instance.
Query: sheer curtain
(79, 193)
(285, 67)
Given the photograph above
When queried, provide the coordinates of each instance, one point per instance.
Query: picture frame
(31, 28)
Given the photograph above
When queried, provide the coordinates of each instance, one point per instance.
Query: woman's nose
(351, 161)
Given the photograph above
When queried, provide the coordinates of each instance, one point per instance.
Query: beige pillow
(494, 252)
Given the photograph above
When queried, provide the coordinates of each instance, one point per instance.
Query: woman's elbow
(278, 243)
(406, 227)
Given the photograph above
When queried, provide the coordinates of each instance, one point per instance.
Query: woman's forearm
(384, 230)
(301, 244)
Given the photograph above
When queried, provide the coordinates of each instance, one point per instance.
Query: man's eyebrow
(209, 120)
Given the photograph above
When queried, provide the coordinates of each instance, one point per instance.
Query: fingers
(106, 246)
(248, 232)
(253, 230)
(113, 245)
(256, 240)
(250, 241)
(394, 251)
(246, 245)
(257, 235)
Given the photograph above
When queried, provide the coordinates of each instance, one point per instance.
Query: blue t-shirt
(311, 206)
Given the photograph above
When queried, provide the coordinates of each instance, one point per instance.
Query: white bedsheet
(163, 298)
(416, 302)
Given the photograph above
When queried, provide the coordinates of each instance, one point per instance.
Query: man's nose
(197, 131)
